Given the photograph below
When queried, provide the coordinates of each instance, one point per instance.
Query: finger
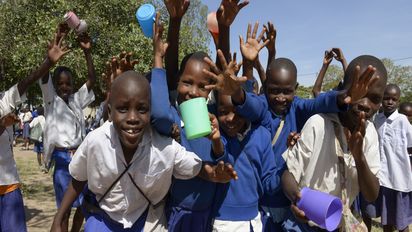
(241, 80)
(122, 55)
(222, 59)
(114, 65)
(347, 133)
(262, 33)
(61, 40)
(128, 56)
(362, 124)
(255, 28)
(186, 5)
(220, 166)
(367, 75)
(210, 87)
(123, 64)
(234, 57)
(241, 41)
(65, 51)
(134, 62)
(212, 65)
(357, 75)
(373, 80)
(211, 75)
(248, 34)
(243, 4)
(264, 44)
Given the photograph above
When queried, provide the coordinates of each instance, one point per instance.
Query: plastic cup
(195, 117)
(212, 24)
(322, 208)
(146, 16)
(82, 27)
(72, 20)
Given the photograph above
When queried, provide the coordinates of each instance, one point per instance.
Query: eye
(122, 109)
(143, 109)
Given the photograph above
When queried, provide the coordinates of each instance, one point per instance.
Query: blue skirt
(26, 130)
(62, 177)
(396, 208)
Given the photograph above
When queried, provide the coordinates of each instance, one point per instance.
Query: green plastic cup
(195, 117)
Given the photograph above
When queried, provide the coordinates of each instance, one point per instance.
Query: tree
(333, 76)
(27, 26)
(401, 76)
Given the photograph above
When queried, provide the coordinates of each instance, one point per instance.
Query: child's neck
(388, 114)
(128, 154)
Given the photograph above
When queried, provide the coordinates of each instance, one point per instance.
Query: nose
(194, 92)
(364, 106)
(132, 117)
(280, 98)
(230, 117)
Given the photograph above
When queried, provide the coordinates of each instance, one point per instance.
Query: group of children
(139, 171)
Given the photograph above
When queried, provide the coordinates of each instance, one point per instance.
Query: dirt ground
(38, 192)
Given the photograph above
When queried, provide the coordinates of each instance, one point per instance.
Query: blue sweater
(196, 193)
(256, 109)
(255, 165)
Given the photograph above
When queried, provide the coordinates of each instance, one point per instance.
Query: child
(129, 145)
(26, 119)
(65, 128)
(39, 123)
(348, 164)
(11, 200)
(395, 176)
(249, 150)
(280, 112)
(406, 109)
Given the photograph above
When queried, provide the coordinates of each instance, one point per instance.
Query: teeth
(130, 131)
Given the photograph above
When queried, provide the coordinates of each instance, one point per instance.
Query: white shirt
(313, 161)
(26, 117)
(9, 100)
(64, 122)
(100, 160)
(395, 136)
(39, 119)
(8, 169)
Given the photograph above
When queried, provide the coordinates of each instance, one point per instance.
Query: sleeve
(255, 108)
(78, 164)
(161, 113)
(84, 97)
(371, 149)
(298, 157)
(47, 91)
(10, 99)
(269, 173)
(324, 103)
(187, 164)
(248, 85)
(408, 134)
(33, 123)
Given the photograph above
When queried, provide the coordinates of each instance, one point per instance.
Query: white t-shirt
(100, 160)
(395, 136)
(8, 169)
(9, 100)
(314, 163)
(64, 122)
(39, 119)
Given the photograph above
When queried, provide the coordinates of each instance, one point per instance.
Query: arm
(161, 117)
(176, 9)
(261, 71)
(338, 55)
(271, 36)
(220, 173)
(86, 45)
(73, 191)
(317, 88)
(218, 147)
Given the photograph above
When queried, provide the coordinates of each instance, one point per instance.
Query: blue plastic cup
(322, 208)
(146, 16)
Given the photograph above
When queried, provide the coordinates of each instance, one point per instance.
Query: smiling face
(192, 80)
(64, 85)
(129, 109)
(230, 122)
(280, 87)
(391, 98)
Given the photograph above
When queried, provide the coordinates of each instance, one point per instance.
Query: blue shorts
(26, 130)
(38, 147)
(62, 177)
(182, 220)
(12, 217)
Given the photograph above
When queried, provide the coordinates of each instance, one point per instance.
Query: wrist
(217, 146)
(158, 61)
(175, 21)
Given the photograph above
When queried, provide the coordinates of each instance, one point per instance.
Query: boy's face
(129, 109)
(390, 100)
(64, 86)
(280, 88)
(370, 103)
(230, 122)
(192, 82)
(407, 110)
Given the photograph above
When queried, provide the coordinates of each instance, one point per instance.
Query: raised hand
(56, 49)
(293, 138)
(85, 42)
(119, 65)
(177, 8)
(355, 138)
(360, 84)
(251, 48)
(327, 59)
(62, 30)
(226, 81)
(215, 134)
(220, 173)
(338, 54)
(228, 10)
(159, 47)
(271, 36)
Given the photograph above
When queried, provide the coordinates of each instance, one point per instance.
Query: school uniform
(100, 160)
(26, 124)
(256, 109)
(395, 201)
(9, 100)
(237, 203)
(12, 216)
(64, 131)
(314, 160)
(190, 201)
(38, 145)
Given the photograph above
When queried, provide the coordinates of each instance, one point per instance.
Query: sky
(305, 29)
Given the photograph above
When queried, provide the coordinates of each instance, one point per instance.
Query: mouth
(132, 135)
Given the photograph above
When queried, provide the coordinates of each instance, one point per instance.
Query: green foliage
(401, 76)
(333, 76)
(304, 92)
(27, 26)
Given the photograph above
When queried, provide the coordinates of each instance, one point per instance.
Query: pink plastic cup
(72, 20)
(322, 208)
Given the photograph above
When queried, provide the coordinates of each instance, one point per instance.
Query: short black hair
(198, 56)
(131, 76)
(40, 110)
(364, 61)
(282, 63)
(393, 86)
(58, 71)
(404, 105)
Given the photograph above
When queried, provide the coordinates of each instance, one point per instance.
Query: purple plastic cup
(322, 208)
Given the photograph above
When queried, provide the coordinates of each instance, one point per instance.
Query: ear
(109, 112)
